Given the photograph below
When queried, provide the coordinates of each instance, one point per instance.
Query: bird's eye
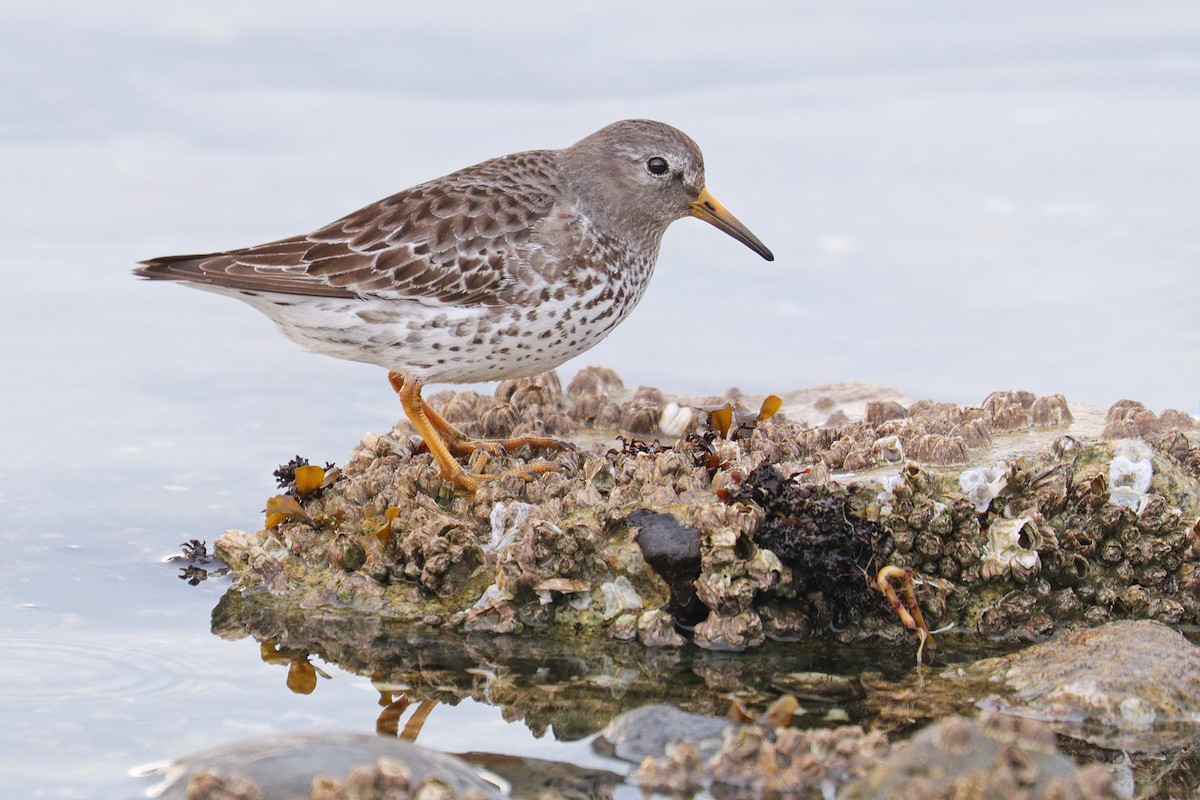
(657, 166)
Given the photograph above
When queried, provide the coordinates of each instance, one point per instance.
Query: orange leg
(461, 444)
(432, 428)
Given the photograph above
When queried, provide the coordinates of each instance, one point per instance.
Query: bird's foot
(464, 446)
(446, 441)
(470, 479)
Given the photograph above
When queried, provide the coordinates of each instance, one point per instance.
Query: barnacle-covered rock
(771, 545)
(756, 762)
(991, 757)
(1029, 533)
(647, 732)
(683, 752)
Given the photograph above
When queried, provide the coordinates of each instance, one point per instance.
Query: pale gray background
(962, 198)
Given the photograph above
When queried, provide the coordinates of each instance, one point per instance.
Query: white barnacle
(1129, 474)
(889, 448)
(982, 484)
(1011, 549)
(619, 597)
(889, 484)
(887, 491)
(506, 519)
(675, 420)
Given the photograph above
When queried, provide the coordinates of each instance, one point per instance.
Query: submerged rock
(991, 757)
(1132, 686)
(683, 753)
(755, 762)
(539, 779)
(321, 766)
(649, 731)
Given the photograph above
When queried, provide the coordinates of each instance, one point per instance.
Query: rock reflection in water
(573, 685)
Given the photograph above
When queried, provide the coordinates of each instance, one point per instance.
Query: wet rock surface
(322, 767)
(648, 732)
(1132, 686)
(757, 539)
(755, 762)
(991, 757)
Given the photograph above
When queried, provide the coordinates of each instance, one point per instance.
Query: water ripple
(92, 667)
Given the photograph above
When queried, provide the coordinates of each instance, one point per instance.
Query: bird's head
(642, 175)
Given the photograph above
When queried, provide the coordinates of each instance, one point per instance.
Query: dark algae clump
(814, 531)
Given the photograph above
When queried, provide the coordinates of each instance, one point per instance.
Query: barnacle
(1129, 475)
(983, 484)
(1012, 549)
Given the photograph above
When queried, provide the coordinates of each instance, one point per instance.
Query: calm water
(960, 199)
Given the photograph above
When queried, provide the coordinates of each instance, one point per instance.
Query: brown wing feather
(273, 267)
(450, 240)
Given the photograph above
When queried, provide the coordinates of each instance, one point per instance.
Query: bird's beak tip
(707, 208)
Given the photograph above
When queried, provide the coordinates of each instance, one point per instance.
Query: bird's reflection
(394, 705)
